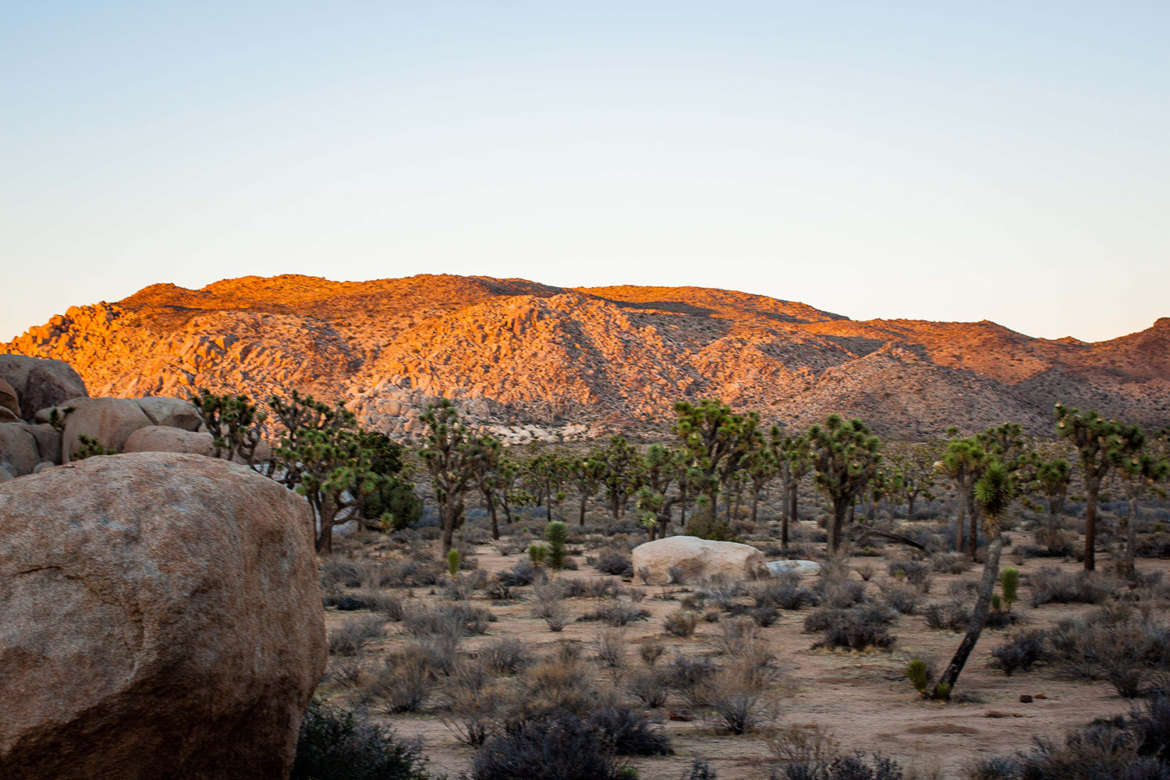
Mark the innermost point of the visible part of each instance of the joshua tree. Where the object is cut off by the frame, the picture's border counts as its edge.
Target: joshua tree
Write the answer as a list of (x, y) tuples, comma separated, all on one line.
[(620, 460), (845, 457), (657, 469), (233, 421), (717, 441), (762, 467), (1052, 478), (914, 472), (450, 453), (1141, 471), (793, 462), (485, 466), (587, 473), (994, 491), (963, 461), (1096, 441)]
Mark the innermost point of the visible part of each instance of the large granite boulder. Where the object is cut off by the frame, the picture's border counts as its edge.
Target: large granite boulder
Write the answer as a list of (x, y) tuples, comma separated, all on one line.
[(40, 383), (160, 616), (18, 449), (172, 412), (162, 438), (9, 401), (689, 558), (109, 421)]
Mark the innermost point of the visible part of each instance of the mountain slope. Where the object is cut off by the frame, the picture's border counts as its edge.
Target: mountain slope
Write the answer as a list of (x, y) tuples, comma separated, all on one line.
[(514, 351)]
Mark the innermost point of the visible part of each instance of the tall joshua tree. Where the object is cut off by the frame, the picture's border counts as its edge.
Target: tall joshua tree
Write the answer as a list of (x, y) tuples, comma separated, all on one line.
[(1096, 441), (1052, 478), (993, 491), (793, 462), (963, 461), (487, 452), (1141, 471), (588, 472), (717, 441), (845, 457), (450, 454)]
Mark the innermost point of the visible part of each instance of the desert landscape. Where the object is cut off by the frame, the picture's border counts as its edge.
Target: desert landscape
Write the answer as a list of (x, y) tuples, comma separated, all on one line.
[(701, 592), (585, 391)]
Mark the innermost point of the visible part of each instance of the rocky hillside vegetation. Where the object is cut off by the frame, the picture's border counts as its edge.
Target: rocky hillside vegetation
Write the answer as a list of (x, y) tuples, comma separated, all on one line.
[(536, 361)]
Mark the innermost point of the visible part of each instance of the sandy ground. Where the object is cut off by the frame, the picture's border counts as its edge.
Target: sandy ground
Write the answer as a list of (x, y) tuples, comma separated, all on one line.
[(863, 698)]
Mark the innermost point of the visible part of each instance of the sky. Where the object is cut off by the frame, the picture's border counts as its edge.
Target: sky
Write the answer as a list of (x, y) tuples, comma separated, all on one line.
[(939, 160)]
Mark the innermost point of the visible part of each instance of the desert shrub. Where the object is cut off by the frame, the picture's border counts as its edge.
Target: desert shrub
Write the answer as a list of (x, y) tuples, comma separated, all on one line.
[(611, 648), (650, 652), (334, 745), (721, 592), (1052, 586), (865, 571), (741, 697), (498, 591), (523, 573), (558, 747), (403, 682), (856, 628), (699, 770), (917, 573), (1136, 747), (410, 573), (335, 572), (629, 732), (506, 656), (853, 766), (469, 703), (950, 563), (900, 598), (617, 613), (649, 686), (953, 615), (591, 588), (841, 593), (919, 674), (764, 616), (462, 619), (680, 623), (803, 744), (559, 682), (352, 636), (686, 673), (784, 594), (1115, 644), (737, 637), (1021, 652), (611, 561)]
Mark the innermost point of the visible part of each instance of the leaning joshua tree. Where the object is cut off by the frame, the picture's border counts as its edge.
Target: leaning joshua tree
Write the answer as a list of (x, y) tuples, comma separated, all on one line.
[(994, 491), (845, 456), (1096, 441)]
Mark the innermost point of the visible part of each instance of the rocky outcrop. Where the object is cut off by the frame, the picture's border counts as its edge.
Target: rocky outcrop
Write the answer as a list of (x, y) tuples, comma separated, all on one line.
[(171, 412), (109, 421), (9, 402), (532, 361), (18, 449), (161, 438), (681, 559), (40, 382), (159, 617)]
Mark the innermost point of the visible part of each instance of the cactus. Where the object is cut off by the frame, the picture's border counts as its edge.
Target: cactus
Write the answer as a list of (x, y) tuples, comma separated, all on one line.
[(917, 673), (453, 562), (89, 447), (538, 554), (555, 536), (1009, 582)]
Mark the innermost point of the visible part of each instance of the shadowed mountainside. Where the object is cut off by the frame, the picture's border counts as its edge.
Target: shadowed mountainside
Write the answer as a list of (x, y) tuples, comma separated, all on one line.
[(583, 360)]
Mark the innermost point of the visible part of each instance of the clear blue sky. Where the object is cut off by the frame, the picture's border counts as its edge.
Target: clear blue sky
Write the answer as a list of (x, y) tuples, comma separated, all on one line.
[(997, 160)]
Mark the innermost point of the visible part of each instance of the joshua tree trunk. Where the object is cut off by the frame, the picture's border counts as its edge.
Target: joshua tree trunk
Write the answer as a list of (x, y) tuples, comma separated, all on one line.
[(581, 511), (491, 504), (1092, 487), (960, 524), (946, 683), (791, 516), (910, 508), (973, 522), (840, 510), (755, 504), (1127, 569), (449, 515), (1051, 533)]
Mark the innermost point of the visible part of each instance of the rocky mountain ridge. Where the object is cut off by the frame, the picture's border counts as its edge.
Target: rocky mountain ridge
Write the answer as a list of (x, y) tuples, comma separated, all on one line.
[(536, 361)]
